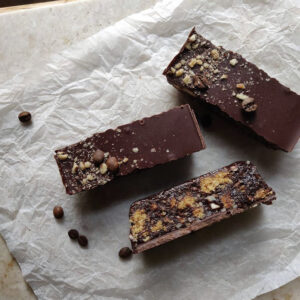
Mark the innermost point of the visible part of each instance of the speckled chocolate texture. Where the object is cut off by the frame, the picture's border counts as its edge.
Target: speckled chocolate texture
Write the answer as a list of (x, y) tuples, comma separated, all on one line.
[(140, 145), (236, 87), (195, 204)]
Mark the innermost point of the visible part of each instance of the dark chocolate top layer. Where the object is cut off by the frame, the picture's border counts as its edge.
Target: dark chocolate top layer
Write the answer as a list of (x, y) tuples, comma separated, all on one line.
[(226, 80), (195, 204), (142, 144)]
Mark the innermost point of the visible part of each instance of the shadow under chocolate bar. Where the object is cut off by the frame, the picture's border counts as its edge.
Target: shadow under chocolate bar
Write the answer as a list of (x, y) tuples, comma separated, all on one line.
[(239, 89), (195, 204), (139, 145)]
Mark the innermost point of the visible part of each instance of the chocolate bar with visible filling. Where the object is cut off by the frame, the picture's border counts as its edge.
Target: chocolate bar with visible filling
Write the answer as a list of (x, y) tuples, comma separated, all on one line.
[(140, 145), (195, 204), (238, 88)]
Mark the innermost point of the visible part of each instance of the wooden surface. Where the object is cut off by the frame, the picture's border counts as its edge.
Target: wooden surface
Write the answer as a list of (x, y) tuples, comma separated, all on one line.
[(5, 3), (27, 4)]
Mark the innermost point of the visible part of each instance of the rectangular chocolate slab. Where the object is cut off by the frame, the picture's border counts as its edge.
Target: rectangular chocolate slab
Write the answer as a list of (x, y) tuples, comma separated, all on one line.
[(140, 145), (236, 87), (195, 204)]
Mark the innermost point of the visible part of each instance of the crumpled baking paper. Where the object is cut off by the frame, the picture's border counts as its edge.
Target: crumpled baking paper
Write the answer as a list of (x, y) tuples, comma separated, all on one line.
[(115, 77)]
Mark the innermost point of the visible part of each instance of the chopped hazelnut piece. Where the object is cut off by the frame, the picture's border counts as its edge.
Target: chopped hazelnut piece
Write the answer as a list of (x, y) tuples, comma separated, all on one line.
[(192, 62), (87, 164), (211, 198), (214, 206), (195, 46), (215, 54), (187, 79), (103, 168), (249, 105), (62, 156), (178, 66), (135, 150), (173, 70), (224, 76), (201, 82), (242, 96), (240, 86), (233, 62), (74, 168), (193, 38), (179, 72), (90, 177), (81, 165), (188, 46)]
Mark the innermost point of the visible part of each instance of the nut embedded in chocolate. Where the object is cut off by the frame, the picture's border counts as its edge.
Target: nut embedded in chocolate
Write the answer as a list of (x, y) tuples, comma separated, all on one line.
[(128, 143), (200, 82), (73, 234), (229, 76), (82, 241), (112, 164), (24, 116), (196, 204), (125, 252), (98, 156), (58, 212), (249, 105)]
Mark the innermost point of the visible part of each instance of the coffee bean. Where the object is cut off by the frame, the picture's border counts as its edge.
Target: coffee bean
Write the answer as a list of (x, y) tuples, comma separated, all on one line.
[(82, 241), (73, 234), (125, 252), (58, 212), (112, 164), (98, 156), (24, 116)]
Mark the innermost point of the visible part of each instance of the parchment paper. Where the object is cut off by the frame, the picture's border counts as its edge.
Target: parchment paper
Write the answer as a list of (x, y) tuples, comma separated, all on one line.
[(112, 78)]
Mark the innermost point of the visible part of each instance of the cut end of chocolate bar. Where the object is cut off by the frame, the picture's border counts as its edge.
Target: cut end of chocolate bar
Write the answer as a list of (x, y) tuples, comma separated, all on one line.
[(238, 88), (195, 204), (139, 145)]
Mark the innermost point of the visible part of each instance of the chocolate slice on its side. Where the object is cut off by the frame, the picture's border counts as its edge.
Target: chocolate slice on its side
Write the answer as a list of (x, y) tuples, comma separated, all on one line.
[(139, 145), (195, 204), (238, 88)]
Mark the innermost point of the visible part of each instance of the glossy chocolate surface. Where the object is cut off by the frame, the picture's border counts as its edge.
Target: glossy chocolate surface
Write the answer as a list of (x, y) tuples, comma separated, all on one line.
[(139, 145), (225, 79)]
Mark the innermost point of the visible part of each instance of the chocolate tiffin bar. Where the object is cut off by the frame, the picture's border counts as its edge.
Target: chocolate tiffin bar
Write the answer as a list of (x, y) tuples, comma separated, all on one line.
[(238, 89), (139, 145), (195, 204)]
